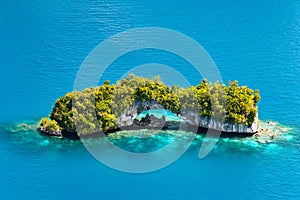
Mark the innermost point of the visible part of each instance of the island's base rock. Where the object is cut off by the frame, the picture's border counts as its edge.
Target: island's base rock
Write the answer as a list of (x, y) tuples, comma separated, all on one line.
[(128, 118), (51, 133)]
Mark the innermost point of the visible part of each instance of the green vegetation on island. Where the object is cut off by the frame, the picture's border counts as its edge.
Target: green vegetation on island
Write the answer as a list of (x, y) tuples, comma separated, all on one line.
[(49, 126), (236, 104)]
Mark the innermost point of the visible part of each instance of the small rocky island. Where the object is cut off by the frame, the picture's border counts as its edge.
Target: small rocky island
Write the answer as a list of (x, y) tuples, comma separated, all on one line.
[(231, 108)]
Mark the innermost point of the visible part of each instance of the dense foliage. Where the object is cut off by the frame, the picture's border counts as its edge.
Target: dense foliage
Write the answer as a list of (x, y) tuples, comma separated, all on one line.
[(49, 125), (101, 106)]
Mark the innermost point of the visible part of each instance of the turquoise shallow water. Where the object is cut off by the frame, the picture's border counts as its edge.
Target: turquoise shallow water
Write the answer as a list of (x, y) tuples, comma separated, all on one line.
[(43, 45), (36, 166), (160, 113)]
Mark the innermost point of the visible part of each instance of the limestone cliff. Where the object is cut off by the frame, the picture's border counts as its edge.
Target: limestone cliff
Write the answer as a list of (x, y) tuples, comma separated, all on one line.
[(191, 118)]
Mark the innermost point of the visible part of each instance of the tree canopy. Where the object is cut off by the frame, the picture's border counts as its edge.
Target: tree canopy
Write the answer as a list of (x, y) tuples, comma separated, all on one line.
[(104, 104)]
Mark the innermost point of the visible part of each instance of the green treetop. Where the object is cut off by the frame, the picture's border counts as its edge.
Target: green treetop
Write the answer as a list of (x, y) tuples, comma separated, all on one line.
[(104, 104)]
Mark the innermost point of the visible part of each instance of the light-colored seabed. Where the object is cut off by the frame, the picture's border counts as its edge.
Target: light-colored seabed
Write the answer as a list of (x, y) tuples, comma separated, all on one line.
[(271, 141)]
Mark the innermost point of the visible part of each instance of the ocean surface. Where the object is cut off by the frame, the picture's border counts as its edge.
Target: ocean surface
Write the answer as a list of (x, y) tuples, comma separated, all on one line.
[(42, 46)]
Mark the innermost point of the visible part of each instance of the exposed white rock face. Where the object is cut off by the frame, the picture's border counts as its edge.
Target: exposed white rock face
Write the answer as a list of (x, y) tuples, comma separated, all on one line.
[(227, 127), (51, 133), (126, 119), (211, 123)]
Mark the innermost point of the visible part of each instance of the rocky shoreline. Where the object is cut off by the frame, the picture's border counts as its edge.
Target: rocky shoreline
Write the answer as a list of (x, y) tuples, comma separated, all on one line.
[(128, 119), (152, 122), (49, 132), (189, 121), (268, 131)]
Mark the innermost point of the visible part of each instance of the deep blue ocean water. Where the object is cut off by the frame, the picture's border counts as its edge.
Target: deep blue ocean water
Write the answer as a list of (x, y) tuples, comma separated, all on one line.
[(43, 43)]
